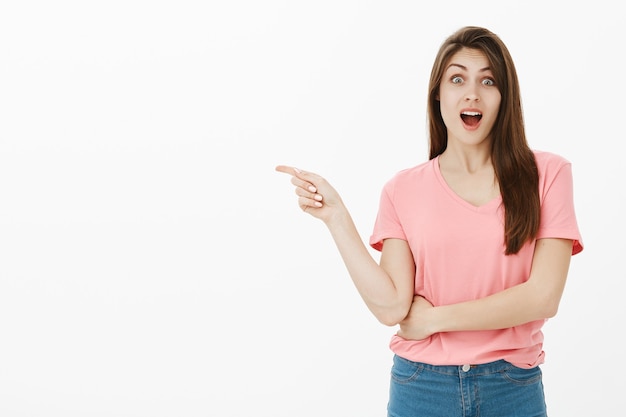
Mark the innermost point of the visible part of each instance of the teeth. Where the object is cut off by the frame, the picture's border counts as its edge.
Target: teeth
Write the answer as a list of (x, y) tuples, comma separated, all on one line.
[(471, 113)]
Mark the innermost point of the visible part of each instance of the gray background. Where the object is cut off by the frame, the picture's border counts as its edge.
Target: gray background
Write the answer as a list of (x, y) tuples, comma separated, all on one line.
[(152, 263)]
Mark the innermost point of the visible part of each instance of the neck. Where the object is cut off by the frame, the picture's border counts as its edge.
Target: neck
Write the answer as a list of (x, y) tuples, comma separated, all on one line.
[(468, 161)]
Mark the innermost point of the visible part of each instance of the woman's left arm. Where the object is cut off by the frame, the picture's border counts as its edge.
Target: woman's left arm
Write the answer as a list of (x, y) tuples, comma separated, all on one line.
[(536, 299)]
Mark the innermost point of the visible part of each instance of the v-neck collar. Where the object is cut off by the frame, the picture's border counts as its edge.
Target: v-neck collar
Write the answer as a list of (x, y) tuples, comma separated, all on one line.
[(487, 207)]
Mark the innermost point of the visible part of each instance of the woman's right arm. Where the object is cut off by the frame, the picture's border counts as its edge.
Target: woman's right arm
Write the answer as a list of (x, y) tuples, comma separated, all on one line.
[(386, 288)]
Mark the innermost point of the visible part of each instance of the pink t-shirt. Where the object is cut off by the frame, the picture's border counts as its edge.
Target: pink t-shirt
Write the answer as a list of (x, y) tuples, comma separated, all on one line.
[(458, 250)]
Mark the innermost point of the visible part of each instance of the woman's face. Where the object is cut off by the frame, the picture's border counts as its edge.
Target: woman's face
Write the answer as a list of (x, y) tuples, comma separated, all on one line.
[(469, 98)]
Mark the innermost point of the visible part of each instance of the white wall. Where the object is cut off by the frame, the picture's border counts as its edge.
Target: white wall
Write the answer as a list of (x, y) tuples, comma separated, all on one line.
[(152, 263)]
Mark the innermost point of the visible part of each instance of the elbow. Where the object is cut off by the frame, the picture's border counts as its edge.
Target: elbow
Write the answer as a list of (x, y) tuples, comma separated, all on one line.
[(391, 317), (392, 313), (548, 308), (545, 304), (387, 321)]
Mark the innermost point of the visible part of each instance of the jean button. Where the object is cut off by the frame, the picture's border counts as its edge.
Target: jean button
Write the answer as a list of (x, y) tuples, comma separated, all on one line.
[(465, 368)]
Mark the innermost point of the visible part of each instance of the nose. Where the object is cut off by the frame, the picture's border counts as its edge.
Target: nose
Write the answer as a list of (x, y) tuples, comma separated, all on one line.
[(472, 94)]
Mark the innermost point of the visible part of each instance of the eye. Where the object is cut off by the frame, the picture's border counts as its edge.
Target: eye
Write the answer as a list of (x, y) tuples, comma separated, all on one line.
[(489, 81), (456, 79)]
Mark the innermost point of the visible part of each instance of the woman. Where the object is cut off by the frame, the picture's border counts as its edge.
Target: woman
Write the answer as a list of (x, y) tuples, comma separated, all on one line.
[(475, 244)]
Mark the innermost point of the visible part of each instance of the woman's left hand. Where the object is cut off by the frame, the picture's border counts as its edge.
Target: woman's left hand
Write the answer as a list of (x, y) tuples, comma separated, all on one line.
[(416, 325)]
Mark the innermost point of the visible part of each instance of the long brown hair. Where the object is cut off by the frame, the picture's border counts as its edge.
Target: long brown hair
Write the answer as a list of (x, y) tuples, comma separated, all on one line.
[(513, 160)]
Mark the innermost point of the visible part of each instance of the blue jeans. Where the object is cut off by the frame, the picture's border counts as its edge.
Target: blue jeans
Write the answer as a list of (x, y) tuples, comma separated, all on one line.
[(496, 389)]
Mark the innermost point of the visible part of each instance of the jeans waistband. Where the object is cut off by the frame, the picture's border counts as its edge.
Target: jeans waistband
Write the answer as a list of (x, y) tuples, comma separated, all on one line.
[(469, 369)]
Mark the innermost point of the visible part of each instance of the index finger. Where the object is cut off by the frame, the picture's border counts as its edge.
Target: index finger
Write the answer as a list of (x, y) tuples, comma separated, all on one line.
[(287, 170)]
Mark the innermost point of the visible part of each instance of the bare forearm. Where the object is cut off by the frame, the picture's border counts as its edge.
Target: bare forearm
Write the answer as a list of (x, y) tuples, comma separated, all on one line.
[(512, 307)]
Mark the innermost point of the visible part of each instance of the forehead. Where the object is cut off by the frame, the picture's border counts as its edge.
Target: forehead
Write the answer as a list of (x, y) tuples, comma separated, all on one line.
[(470, 59)]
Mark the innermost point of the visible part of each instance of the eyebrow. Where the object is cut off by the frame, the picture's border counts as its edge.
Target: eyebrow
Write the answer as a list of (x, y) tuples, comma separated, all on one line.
[(463, 67)]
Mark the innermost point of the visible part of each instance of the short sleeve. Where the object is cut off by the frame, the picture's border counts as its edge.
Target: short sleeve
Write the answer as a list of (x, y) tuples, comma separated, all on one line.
[(387, 224), (558, 217)]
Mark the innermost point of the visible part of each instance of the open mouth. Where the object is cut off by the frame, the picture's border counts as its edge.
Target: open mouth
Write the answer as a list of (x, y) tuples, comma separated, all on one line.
[(471, 118)]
